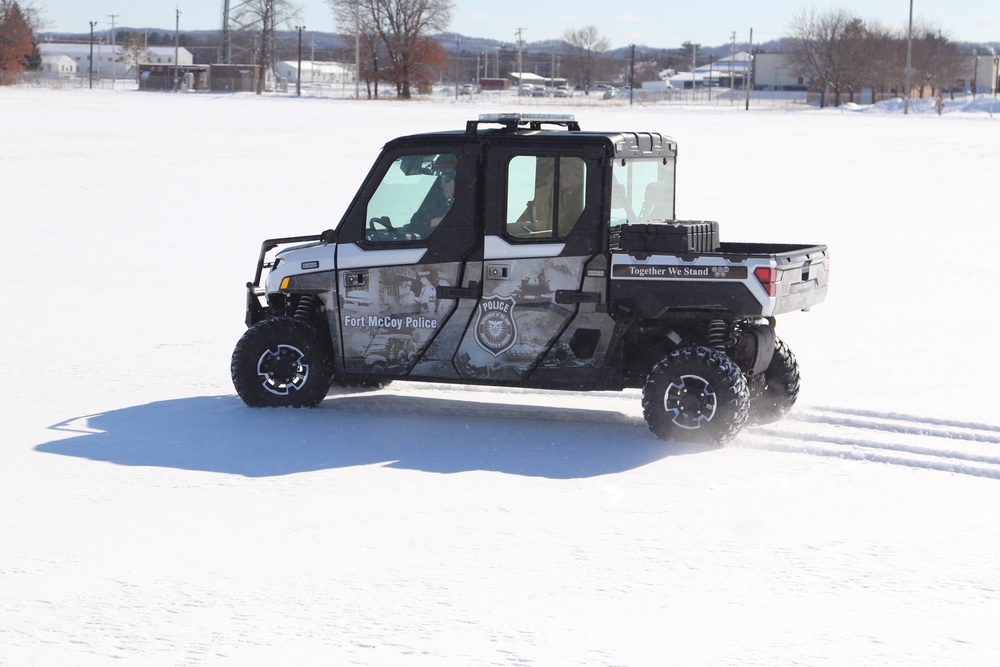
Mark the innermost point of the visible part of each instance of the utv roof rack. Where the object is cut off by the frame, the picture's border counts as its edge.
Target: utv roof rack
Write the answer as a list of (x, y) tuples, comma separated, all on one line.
[(534, 121)]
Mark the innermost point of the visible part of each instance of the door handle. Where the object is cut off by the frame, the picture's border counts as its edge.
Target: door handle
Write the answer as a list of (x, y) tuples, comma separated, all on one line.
[(356, 279), (469, 292), (498, 271)]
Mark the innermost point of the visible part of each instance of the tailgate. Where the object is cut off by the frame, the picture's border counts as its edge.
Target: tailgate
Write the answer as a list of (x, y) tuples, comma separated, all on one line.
[(795, 280)]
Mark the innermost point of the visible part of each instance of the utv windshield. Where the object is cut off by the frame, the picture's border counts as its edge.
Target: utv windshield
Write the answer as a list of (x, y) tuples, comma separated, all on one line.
[(642, 191)]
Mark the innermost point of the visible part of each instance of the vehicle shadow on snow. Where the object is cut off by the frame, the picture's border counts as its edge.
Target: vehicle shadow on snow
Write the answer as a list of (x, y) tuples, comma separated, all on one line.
[(442, 435)]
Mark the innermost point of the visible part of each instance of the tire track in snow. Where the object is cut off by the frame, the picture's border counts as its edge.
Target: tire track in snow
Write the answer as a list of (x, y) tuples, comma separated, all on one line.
[(893, 438)]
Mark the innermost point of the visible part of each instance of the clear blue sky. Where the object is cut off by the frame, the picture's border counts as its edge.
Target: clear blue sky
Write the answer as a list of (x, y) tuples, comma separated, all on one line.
[(644, 22)]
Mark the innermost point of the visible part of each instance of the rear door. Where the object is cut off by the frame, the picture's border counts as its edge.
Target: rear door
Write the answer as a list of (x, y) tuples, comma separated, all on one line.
[(541, 318)]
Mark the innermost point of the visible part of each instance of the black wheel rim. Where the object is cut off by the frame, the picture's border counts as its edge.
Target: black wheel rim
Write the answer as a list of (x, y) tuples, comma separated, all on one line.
[(283, 370), (690, 402)]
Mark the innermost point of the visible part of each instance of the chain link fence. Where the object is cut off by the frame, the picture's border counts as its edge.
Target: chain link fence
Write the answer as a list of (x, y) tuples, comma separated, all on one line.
[(701, 97)]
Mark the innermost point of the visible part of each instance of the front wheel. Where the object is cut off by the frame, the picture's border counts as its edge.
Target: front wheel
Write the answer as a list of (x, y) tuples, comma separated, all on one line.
[(281, 362), (695, 394)]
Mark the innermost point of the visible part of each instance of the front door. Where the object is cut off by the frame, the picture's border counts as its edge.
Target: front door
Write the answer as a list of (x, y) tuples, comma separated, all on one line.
[(401, 259)]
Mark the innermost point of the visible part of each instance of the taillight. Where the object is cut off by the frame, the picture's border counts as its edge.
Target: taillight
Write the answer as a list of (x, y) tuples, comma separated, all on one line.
[(767, 275)]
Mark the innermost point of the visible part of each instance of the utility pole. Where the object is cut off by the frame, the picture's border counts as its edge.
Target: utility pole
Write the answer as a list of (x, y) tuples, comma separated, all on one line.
[(298, 77), (227, 40), (631, 73), (975, 75), (177, 47), (909, 61), (357, 52), (732, 77), (91, 75), (520, 61), (711, 61), (748, 77), (114, 52)]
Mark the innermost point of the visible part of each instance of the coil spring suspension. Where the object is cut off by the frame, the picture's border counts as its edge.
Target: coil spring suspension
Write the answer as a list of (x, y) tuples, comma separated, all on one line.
[(717, 334), (305, 307)]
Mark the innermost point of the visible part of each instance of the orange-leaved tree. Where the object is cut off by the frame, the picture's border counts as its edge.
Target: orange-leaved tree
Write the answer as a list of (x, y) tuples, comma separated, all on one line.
[(16, 42)]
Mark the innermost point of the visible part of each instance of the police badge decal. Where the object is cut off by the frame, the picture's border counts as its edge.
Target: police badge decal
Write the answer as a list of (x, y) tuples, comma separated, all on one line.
[(496, 331)]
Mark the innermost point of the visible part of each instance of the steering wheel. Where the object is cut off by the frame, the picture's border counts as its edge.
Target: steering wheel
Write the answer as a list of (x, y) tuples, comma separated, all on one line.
[(390, 231)]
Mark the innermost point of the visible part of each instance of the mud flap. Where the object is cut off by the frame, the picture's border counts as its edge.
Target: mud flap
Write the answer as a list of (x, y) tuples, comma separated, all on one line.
[(755, 349)]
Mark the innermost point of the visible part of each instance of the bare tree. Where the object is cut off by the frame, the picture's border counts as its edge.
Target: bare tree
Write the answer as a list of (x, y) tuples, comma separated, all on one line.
[(841, 51), (584, 49), (134, 51), (260, 18), (817, 48), (399, 29), (374, 58), (936, 61), (886, 52), (862, 53)]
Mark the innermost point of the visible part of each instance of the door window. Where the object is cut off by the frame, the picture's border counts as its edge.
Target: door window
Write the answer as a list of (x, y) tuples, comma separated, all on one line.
[(545, 196), (416, 192)]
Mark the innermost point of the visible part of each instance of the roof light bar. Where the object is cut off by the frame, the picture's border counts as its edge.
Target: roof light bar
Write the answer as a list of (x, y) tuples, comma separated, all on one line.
[(512, 120), (524, 118)]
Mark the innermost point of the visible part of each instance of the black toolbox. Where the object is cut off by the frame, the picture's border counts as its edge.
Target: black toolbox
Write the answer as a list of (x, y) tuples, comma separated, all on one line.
[(674, 236)]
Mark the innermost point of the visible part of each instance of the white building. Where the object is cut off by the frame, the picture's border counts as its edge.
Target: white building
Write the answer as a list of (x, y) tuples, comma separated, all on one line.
[(58, 67), (979, 72), (314, 71), (106, 62), (773, 71), (728, 72)]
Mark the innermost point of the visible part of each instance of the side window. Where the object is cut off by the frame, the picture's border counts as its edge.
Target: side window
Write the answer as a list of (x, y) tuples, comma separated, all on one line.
[(642, 191), (416, 192), (545, 196)]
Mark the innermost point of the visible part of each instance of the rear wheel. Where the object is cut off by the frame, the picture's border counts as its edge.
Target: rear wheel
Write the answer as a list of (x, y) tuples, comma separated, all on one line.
[(695, 394), (281, 362), (781, 386)]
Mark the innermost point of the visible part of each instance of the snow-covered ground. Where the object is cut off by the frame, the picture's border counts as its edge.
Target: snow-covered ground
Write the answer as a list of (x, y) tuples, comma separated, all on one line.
[(148, 517)]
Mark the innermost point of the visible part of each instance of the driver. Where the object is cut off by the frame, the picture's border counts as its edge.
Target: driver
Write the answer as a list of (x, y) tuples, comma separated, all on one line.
[(439, 200)]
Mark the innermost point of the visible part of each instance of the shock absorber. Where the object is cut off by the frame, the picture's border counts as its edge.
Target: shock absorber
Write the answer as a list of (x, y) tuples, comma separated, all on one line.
[(717, 334), (305, 307)]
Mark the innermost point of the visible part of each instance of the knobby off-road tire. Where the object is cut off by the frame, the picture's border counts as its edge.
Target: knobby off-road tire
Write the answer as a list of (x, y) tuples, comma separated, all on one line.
[(696, 394), (781, 387), (282, 362)]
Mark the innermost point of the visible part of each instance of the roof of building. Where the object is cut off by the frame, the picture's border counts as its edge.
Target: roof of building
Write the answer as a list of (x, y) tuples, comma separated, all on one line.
[(83, 48), (320, 67), (738, 62)]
